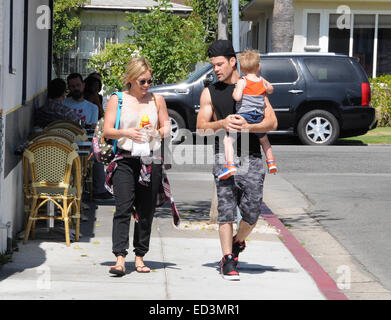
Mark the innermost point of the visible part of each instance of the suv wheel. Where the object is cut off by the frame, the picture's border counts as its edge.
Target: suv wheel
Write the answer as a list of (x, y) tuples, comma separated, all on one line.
[(177, 123), (318, 127)]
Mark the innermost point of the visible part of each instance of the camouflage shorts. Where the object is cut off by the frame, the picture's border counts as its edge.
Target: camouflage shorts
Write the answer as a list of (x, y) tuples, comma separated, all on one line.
[(243, 190)]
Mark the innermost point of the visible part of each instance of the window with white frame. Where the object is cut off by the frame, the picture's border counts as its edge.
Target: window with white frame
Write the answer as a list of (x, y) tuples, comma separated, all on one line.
[(313, 29), (11, 67), (369, 40), (384, 45), (255, 35), (363, 40), (338, 36), (90, 40)]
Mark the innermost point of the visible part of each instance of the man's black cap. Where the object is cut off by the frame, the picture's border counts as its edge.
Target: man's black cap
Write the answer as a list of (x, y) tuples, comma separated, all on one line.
[(221, 48)]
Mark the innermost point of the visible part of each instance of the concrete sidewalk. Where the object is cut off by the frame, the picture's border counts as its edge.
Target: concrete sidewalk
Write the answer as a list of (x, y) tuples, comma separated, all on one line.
[(184, 260)]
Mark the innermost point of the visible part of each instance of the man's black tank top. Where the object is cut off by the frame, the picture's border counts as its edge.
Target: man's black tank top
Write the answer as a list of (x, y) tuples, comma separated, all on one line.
[(224, 105)]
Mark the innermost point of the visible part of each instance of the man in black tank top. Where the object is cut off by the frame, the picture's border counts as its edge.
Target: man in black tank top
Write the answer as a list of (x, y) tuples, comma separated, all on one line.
[(223, 106), (245, 188)]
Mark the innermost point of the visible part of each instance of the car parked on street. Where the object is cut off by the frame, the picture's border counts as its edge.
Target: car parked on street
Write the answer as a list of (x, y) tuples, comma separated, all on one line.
[(319, 97)]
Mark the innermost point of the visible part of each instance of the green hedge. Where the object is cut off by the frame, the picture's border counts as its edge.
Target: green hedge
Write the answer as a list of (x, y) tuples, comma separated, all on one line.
[(381, 99)]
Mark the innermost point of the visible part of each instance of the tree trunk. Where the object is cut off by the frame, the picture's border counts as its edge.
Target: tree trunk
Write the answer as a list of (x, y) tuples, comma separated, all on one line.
[(56, 65), (283, 26), (222, 26)]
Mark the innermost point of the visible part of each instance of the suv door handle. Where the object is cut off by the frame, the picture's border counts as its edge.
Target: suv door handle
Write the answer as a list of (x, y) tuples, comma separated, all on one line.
[(296, 91), (182, 91)]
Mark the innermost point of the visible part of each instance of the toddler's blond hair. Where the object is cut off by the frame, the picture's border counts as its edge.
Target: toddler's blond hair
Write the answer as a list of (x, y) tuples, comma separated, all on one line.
[(249, 60)]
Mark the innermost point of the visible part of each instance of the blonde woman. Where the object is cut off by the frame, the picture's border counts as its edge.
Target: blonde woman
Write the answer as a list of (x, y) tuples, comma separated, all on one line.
[(124, 172)]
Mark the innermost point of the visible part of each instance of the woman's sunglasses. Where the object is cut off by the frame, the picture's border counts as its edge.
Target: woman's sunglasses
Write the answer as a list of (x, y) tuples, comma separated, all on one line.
[(143, 81)]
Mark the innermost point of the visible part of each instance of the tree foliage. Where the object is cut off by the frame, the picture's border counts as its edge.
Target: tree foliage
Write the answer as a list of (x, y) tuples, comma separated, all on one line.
[(381, 99), (65, 23), (111, 63), (207, 10), (171, 43)]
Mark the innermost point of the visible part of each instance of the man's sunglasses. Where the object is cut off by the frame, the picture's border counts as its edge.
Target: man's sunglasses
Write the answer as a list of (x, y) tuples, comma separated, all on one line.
[(143, 81)]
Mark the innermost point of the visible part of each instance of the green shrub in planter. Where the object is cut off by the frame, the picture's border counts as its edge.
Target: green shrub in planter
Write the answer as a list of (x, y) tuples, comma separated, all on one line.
[(381, 99)]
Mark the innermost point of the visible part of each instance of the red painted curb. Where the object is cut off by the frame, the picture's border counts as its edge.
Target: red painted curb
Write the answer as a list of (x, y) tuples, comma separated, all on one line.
[(324, 282)]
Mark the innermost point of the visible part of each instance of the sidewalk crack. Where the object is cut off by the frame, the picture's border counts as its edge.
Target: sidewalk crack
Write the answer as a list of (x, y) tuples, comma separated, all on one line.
[(164, 261)]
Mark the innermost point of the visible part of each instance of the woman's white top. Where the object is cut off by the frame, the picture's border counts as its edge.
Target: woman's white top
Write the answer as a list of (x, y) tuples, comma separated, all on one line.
[(131, 118)]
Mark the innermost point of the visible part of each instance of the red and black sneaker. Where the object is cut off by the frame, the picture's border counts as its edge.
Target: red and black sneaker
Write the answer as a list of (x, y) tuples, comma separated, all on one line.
[(237, 247), (228, 268)]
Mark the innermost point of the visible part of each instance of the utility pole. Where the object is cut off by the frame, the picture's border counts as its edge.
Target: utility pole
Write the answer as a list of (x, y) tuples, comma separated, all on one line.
[(235, 25)]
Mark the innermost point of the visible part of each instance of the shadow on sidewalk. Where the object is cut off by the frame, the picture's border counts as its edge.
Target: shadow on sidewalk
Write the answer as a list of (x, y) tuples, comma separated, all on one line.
[(31, 255), (303, 221), (34, 257), (189, 211), (245, 267), (154, 265)]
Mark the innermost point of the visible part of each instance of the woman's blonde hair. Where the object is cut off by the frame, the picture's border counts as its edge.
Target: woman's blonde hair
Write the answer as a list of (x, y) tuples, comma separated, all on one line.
[(136, 67), (249, 60)]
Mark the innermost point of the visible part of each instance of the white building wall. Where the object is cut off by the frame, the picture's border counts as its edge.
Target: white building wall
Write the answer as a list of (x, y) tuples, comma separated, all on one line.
[(37, 58), (302, 8), (13, 82), (299, 38), (244, 29), (11, 97), (2, 16), (3, 232), (17, 117), (262, 33)]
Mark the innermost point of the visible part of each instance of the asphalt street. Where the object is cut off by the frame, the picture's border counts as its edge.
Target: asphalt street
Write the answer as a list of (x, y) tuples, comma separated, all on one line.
[(349, 192)]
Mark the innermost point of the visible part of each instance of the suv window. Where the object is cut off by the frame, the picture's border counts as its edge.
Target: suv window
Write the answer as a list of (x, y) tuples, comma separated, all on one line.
[(194, 76), (326, 70), (278, 70)]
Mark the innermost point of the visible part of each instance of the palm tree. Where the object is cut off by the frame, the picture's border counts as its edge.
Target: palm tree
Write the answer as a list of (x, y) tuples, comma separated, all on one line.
[(222, 26), (283, 26)]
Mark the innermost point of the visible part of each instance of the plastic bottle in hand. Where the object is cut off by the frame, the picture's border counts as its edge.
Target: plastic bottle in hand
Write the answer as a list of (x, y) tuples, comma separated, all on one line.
[(144, 121), (142, 149), (145, 124)]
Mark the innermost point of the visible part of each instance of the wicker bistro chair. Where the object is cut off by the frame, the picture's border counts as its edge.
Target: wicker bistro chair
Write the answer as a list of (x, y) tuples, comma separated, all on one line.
[(33, 139), (72, 133), (52, 172), (69, 125), (78, 134), (56, 137), (65, 123)]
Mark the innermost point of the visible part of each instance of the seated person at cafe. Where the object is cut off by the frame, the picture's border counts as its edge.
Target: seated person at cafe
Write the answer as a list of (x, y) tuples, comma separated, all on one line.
[(86, 110), (54, 109), (89, 114), (91, 93)]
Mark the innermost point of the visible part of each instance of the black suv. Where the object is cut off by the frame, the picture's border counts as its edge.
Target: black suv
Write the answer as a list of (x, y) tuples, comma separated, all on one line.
[(319, 97)]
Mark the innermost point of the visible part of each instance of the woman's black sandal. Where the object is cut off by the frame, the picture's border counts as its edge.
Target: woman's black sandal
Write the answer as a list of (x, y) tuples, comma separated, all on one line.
[(117, 272)]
